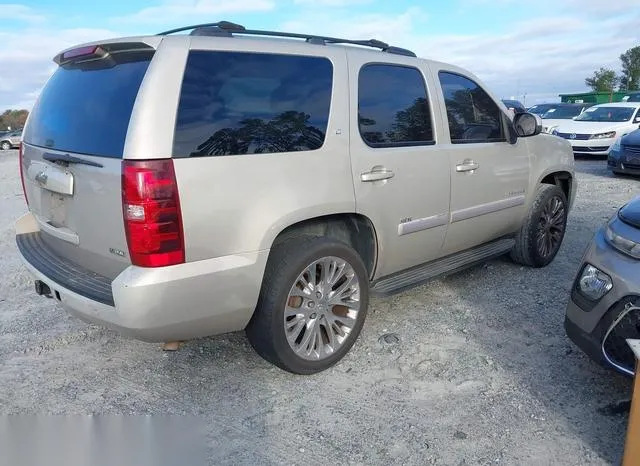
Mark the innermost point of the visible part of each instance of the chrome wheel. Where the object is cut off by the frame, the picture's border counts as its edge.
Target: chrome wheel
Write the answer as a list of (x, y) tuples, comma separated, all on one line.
[(551, 227), (322, 308), (5, 146)]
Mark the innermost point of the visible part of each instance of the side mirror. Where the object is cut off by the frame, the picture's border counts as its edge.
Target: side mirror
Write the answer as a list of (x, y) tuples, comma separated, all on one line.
[(527, 124)]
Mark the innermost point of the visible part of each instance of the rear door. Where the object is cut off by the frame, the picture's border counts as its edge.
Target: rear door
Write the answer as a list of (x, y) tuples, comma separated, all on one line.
[(401, 176), (73, 147)]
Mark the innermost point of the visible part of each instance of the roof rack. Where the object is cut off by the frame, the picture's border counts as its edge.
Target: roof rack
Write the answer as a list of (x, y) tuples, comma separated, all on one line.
[(227, 29)]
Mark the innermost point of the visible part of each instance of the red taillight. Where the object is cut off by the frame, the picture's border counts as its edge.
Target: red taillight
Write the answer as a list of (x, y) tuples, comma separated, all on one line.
[(80, 52), (151, 209), (20, 162)]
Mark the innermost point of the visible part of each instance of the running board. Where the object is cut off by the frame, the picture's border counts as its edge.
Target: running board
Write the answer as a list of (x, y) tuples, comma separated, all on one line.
[(445, 266)]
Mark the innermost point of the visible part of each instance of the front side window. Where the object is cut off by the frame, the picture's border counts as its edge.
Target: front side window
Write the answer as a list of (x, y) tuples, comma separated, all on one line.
[(393, 107), (473, 115), (236, 103)]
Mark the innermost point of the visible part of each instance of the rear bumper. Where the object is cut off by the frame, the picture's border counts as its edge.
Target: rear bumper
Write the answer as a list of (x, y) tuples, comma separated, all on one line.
[(180, 302)]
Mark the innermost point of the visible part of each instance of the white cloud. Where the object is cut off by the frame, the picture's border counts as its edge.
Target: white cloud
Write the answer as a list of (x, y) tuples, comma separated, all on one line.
[(334, 3), (540, 57), (16, 12), (180, 10), (28, 54), (602, 8)]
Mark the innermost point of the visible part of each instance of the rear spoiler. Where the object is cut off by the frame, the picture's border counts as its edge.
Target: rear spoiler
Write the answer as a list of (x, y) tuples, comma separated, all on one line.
[(101, 52)]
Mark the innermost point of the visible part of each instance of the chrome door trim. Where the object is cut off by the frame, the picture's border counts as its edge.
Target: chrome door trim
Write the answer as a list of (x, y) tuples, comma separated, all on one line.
[(487, 208), (419, 224)]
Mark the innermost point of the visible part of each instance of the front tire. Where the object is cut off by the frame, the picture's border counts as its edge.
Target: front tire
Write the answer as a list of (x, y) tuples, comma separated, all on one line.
[(5, 146), (542, 232), (312, 304)]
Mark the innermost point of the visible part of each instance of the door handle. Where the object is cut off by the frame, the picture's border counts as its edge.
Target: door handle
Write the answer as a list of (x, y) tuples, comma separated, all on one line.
[(467, 166), (377, 175)]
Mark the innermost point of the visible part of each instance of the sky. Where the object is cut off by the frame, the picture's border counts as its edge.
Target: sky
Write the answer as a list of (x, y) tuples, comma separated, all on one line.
[(528, 50)]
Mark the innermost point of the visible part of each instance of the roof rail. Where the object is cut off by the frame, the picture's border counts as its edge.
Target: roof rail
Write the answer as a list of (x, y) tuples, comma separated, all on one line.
[(226, 28)]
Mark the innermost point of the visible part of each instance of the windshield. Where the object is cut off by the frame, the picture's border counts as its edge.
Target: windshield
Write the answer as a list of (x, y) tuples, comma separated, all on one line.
[(540, 109), (613, 114), (562, 113)]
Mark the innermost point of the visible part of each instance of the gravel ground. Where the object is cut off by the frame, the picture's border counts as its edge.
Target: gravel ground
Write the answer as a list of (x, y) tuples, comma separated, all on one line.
[(477, 370)]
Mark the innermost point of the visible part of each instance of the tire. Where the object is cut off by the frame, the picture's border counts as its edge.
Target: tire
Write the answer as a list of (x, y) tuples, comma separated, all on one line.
[(5, 145), (528, 250), (282, 287)]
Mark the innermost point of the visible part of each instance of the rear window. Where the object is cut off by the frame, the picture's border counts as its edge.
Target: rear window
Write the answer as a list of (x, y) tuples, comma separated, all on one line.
[(87, 111), (236, 103)]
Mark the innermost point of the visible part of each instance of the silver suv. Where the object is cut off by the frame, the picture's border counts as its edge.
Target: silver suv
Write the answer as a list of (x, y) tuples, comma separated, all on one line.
[(185, 185), (10, 140)]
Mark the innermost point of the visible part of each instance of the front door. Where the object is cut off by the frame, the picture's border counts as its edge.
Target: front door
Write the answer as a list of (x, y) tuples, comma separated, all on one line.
[(489, 175), (401, 178)]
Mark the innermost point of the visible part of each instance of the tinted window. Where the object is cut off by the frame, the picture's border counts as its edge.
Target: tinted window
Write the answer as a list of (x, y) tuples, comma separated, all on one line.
[(235, 103), (472, 113), (393, 108), (87, 110)]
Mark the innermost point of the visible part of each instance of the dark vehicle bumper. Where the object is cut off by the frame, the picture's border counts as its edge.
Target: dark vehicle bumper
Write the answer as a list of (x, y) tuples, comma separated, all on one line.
[(587, 322)]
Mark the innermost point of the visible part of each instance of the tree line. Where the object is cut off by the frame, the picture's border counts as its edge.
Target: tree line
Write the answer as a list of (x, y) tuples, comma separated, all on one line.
[(13, 119), (606, 79)]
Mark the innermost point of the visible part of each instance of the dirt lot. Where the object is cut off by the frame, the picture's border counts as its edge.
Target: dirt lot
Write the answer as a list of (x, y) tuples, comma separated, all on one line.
[(481, 371)]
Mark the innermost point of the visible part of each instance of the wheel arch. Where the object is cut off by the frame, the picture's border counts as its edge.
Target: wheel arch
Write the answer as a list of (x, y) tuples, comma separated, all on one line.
[(354, 229), (563, 179)]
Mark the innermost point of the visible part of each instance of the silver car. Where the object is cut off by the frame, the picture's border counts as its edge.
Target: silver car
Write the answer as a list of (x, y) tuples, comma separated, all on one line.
[(10, 140), (604, 308), (185, 185)]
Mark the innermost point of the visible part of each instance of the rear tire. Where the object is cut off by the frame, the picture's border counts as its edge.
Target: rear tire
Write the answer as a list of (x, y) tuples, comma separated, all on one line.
[(297, 324), (542, 232), (5, 145)]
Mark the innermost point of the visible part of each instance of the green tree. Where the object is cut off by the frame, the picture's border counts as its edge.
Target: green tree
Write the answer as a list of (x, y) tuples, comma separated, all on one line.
[(603, 80), (630, 77), (13, 119)]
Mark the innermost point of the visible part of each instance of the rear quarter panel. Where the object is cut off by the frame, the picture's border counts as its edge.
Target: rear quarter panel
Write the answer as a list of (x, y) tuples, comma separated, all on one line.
[(236, 204)]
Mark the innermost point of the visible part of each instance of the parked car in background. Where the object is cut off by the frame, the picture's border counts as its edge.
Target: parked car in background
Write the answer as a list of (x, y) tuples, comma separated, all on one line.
[(10, 140), (557, 115), (632, 97), (604, 306), (624, 156), (272, 185), (595, 130), (541, 109), (514, 106)]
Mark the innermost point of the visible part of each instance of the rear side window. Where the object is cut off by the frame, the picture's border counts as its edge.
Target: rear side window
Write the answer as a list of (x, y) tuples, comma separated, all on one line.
[(473, 115), (236, 103), (393, 107), (87, 109)]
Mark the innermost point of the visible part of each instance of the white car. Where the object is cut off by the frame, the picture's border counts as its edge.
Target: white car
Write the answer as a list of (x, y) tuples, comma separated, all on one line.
[(561, 114), (598, 127)]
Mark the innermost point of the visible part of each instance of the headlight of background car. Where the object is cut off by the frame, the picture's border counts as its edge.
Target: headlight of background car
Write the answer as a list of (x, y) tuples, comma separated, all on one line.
[(610, 134), (549, 129), (594, 283), (554, 132), (622, 244)]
